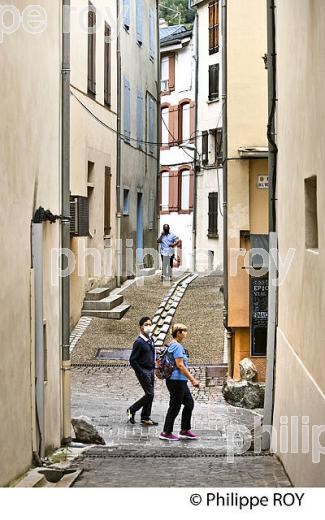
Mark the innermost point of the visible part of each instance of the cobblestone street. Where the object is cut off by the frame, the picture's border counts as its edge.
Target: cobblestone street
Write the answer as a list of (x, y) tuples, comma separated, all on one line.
[(225, 454)]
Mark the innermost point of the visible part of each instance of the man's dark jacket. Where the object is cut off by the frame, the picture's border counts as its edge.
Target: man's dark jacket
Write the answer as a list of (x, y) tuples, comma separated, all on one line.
[(143, 355)]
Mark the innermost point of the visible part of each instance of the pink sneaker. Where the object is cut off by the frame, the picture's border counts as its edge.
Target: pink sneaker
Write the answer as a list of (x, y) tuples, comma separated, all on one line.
[(188, 435), (168, 437)]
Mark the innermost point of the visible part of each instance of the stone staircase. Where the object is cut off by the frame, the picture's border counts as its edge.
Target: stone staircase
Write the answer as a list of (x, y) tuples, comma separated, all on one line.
[(99, 303)]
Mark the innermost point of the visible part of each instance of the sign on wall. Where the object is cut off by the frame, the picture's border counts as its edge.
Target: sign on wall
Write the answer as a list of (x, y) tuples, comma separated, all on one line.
[(259, 314), (262, 182)]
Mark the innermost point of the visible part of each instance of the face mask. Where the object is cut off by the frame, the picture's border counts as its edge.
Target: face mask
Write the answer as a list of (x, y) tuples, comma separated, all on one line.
[(147, 330)]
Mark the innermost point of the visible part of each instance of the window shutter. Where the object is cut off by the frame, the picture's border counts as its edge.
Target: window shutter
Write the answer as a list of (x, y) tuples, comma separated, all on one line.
[(107, 202), (191, 190), (126, 13), (151, 211), (173, 125), (91, 49), (151, 35), (205, 148), (213, 215), (139, 11), (173, 191), (214, 81), (171, 82), (107, 60), (192, 122), (151, 116), (127, 110), (219, 147), (139, 118)]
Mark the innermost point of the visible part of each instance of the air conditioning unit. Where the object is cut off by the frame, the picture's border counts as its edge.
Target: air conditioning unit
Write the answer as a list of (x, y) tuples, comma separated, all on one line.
[(79, 211), (164, 85)]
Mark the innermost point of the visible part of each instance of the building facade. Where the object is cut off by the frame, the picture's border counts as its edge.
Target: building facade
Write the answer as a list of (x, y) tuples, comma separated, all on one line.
[(299, 394), (94, 32), (138, 149), (178, 71), (30, 162), (246, 174), (209, 198)]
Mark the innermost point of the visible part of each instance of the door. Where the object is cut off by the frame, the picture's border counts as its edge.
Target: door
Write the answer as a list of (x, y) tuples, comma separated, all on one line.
[(140, 229)]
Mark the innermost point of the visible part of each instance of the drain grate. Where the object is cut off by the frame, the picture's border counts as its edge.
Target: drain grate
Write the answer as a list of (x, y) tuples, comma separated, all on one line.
[(172, 455), (113, 354)]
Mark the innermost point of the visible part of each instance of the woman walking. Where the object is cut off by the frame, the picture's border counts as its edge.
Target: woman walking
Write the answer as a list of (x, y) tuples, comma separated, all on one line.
[(178, 389)]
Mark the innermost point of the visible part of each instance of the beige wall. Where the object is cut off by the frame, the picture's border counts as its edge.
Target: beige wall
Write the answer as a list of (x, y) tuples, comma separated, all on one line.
[(30, 174), (92, 142), (300, 375)]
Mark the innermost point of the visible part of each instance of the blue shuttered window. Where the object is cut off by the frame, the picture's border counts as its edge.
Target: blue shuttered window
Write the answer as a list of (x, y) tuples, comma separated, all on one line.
[(151, 124), (127, 109), (139, 13), (140, 118), (151, 34), (126, 13)]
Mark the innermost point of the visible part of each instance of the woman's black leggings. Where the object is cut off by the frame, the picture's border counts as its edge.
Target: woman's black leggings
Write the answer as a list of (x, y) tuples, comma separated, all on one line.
[(179, 394)]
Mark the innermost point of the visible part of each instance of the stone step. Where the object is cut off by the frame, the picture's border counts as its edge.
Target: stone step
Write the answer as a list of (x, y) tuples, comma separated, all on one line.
[(106, 304), (115, 314), (98, 294)]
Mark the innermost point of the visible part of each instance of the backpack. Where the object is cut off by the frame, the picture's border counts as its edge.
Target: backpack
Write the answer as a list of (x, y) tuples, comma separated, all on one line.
[(165, 364)]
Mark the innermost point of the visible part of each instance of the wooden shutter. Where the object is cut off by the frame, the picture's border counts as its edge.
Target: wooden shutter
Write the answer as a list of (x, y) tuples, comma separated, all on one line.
[(151, 123), (205, 148), (214, 26), (139, 17), (214, 81), (107, 202), (126, 13), (173, 125), (192, 187), (213, 215), (219, 147), (171, 82), (173, 191), (107, 61), (127, 110), (151, 211), (192, 122), (91, 49)]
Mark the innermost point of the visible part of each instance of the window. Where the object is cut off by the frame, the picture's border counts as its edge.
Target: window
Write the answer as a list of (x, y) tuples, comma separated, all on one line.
[(218, 147), (214, 26), (213, 215), (91, 50), (139, 21), (165, 191), (185, 190), (126, 201), (151, 124), (205, 148), (127, 110), (165, 126), (107, 203), (165, 73), (214, 82), (311, 220), (151, 35), (126, 14), (184, 131), (140, 118), (107, 66)]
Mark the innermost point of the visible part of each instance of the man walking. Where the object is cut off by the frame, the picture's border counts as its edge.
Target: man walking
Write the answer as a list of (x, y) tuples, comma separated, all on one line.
[(142, 360), (168, 241)]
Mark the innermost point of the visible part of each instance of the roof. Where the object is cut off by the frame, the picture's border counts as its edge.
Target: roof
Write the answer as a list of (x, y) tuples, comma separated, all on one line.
[(173, 34)]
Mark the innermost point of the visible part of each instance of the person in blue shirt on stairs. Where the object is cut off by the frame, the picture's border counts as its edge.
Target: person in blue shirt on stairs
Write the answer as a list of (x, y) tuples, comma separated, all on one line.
[(142, 360)]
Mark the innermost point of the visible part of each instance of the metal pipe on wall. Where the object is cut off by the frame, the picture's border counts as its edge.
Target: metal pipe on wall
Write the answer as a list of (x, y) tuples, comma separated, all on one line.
[(65, 223), (196, 122), (118, 155), (158, 119)]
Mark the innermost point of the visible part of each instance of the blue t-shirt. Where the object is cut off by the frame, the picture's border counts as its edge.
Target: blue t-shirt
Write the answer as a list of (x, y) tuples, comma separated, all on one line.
[(178, 351), (166, 241)]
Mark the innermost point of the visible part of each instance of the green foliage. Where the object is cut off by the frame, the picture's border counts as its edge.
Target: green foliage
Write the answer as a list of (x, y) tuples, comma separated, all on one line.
[(176, 12)]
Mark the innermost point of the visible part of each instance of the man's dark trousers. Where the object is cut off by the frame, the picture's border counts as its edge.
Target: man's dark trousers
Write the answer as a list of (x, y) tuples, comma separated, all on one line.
[(146, 378)]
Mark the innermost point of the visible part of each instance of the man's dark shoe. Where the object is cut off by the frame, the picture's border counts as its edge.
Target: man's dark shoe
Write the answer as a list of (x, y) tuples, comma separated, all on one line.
[(149, 422), (131, 416)]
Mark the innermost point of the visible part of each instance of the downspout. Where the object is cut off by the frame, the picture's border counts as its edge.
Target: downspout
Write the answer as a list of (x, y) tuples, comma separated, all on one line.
[(65, 224), (118, 155), (196, 155), (273, 242), (229, 332), (159, 138)]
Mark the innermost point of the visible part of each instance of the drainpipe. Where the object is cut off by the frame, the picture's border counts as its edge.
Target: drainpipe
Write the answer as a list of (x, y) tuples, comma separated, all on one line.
[(225, 182), (37, 263), (273, 243), (158, 123), (118, 155), (65, 223)]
